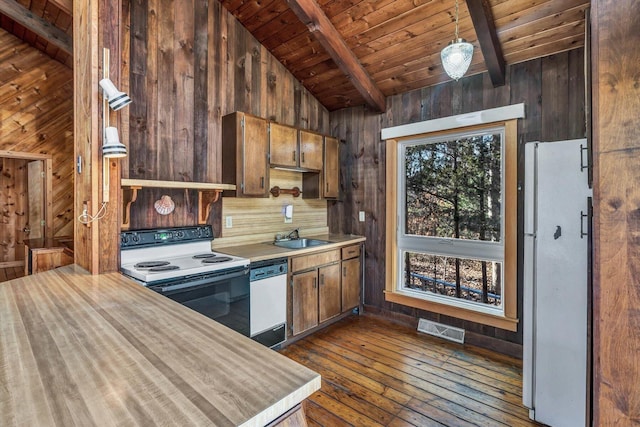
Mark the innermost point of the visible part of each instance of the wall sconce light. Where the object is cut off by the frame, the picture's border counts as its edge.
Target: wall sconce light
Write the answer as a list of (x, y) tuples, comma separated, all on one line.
[(112, 147), (116, 99)]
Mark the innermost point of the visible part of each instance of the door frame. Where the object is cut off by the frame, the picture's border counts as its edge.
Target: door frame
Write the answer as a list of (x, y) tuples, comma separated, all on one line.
[(47, 167)]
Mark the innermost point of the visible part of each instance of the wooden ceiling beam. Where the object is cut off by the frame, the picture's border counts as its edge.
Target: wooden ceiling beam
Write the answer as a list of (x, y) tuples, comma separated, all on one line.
[(41, 27), (310, 13), (484, 24), (64, 5)]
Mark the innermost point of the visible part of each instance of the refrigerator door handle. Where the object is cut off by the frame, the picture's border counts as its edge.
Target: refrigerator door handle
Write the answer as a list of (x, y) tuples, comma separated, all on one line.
[(582, 217)]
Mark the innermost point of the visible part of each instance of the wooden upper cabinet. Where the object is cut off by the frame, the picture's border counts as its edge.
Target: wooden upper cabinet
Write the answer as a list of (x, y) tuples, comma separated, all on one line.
[(283, 145), (311, 145), (330, 172), (245, 149)]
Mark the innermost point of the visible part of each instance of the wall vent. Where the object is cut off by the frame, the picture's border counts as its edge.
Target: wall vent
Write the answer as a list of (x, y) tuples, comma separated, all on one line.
[(443, 331)]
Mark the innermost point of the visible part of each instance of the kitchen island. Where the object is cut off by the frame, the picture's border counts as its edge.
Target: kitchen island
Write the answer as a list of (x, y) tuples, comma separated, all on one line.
[(81, 350)]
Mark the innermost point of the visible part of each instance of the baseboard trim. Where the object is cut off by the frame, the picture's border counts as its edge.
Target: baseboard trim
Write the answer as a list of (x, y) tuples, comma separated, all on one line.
[(483, 341)]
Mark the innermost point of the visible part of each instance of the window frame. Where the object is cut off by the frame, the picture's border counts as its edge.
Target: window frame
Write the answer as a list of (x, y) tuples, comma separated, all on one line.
[(506, 318), (443, 246)]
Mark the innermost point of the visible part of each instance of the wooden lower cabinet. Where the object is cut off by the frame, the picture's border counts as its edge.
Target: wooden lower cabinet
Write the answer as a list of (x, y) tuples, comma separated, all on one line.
[(316, 297), (324, 285), (350, 284), (329, 297), (305, 301)]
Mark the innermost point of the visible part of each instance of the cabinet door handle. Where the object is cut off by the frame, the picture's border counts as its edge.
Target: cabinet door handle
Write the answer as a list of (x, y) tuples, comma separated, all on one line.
[(262, 182), (294, 156), (327, 187), (321, 279), (314, 283), (344, 271), (303, 157)]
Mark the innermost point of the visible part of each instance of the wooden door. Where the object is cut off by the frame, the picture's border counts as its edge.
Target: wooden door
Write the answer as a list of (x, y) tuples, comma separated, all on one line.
[(350, 283), (305, 301), (311, 150), (331, 174), (14, 205), (255, 150), (36, 186), (329, 297), (283, 145)]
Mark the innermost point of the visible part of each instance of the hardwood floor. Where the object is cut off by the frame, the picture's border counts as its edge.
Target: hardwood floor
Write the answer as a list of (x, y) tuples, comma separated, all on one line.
[(8, 273), (378, 373)]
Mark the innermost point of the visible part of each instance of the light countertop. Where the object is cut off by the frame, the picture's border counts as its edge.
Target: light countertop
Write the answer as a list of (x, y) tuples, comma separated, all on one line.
[(267, 250), (82, 350)]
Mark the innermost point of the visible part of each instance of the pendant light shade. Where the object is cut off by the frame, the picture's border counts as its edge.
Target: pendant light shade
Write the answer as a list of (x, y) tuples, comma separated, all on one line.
[(456, 57)]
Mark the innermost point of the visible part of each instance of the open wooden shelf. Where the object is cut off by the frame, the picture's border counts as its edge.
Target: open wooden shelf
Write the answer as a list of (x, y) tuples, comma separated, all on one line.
[(208, 194)]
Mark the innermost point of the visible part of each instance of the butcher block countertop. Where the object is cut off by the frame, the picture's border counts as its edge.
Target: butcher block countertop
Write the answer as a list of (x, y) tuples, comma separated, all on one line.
[(267, 250), (83, 350)]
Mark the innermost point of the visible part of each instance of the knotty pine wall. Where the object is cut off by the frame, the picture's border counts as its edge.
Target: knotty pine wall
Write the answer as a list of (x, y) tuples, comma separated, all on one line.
[(553, 91), (36, 116), (190, 63)]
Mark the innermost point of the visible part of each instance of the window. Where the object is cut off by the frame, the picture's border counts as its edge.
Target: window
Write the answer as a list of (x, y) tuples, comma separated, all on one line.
[(450, 210), (452, 223)]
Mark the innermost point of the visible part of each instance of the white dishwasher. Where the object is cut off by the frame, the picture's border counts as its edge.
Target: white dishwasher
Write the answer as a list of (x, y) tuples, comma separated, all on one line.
[(268, 301)]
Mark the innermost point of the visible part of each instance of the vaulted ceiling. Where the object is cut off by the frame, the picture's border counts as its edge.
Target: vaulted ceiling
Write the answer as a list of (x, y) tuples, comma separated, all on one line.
[(354, 52), (44, 24)]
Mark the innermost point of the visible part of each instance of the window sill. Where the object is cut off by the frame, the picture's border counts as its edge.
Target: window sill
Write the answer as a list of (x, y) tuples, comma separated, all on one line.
[(497, 321)]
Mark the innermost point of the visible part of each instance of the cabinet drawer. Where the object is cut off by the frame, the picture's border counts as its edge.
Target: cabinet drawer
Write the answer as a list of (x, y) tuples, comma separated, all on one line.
[(314, 260), (351, 252)]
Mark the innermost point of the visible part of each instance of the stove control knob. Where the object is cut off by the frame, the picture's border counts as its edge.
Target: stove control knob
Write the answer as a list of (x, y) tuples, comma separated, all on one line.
[(124, 239), (135, 238), (179, 234)]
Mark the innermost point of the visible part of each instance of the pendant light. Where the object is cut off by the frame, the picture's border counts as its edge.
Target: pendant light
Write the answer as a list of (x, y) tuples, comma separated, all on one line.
[(456, 57)]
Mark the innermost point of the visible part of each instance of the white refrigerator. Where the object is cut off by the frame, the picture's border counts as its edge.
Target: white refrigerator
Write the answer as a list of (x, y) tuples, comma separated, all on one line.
[(555, 283)]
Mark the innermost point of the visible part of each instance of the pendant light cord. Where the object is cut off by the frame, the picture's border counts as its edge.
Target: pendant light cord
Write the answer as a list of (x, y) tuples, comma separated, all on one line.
[(457, 20)]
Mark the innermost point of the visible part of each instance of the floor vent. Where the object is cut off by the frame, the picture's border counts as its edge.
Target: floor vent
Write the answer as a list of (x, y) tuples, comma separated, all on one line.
[(443, 331)]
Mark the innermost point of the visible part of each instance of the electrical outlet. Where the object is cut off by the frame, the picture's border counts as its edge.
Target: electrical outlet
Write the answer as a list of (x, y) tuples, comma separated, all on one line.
[(361, 216), (228, 222)]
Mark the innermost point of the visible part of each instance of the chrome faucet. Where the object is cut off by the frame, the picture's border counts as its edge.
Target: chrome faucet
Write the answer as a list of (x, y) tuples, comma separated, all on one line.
[(294, 235)]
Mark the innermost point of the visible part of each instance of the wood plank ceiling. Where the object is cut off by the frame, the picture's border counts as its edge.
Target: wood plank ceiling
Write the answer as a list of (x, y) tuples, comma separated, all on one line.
[(354, 52), (55, 13), (398, 42)]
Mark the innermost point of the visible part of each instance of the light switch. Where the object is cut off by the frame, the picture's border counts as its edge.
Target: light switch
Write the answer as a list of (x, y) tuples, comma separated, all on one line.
[(361, 216), (228, 222), (288, 214)]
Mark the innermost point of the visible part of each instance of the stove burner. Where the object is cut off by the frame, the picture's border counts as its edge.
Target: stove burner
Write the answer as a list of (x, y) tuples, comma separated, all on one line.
[(216, 260), (165, 268), (204, 256), (151, 264)]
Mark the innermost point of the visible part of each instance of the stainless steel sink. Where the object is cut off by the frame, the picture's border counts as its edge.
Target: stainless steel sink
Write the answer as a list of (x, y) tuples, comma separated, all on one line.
[(300, 243)]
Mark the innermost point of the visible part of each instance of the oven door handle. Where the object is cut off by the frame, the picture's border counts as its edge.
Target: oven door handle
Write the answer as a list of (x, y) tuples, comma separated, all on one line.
[(200, 282)]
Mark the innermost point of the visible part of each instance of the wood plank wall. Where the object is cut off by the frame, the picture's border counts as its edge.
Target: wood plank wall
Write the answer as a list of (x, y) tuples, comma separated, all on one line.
[(616, 221), (553, 91), (191, 63), (36, 116), (14, 206)]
